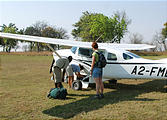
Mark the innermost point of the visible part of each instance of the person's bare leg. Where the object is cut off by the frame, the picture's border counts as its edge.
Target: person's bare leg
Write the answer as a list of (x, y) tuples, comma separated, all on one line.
[(101, 85), (72, 79), (69, 81), (97, 85)]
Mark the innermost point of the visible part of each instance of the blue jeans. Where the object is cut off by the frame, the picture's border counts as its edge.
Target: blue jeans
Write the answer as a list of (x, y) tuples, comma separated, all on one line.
[(97, 72)]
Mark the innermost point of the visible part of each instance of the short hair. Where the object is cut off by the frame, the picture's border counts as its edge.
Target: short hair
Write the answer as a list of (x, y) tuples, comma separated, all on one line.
[(94, 45), (70, 58)]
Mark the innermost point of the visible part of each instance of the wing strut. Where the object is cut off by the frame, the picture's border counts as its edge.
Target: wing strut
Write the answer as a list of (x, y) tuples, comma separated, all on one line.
[(53, 50)]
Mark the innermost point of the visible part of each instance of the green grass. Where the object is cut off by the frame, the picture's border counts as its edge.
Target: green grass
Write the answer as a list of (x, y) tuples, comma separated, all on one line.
[(25, 81)]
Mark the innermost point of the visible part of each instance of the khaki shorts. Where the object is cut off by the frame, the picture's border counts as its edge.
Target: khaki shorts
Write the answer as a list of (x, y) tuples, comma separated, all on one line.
[(57, 74), (69, 71)]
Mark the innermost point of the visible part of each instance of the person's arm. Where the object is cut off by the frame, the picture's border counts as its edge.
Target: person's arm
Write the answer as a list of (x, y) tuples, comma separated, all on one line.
[(93, 62), (52, 66), (78, 74)]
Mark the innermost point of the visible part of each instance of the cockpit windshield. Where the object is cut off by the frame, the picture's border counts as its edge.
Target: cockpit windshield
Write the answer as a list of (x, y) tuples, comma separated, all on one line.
[(73, 49)]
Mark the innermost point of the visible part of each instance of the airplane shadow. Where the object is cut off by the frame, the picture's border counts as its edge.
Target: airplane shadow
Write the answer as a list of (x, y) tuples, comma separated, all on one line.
[(123, 92)]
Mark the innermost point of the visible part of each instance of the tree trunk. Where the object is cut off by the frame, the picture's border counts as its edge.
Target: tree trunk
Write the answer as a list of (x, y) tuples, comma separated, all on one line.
[(164, 46), (3, 48), (38, 47)]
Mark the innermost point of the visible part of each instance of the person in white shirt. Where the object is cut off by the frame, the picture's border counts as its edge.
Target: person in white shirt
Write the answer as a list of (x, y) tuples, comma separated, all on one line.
[(56, 67)]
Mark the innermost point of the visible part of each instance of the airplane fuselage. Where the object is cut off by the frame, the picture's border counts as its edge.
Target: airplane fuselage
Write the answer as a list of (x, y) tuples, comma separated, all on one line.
[(120, 64)]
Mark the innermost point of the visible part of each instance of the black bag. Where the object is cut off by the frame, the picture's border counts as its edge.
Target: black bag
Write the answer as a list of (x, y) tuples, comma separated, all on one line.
[(101, 63)]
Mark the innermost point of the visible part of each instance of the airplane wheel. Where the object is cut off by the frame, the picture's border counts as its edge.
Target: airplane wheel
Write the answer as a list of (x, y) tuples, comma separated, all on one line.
[(113, 81), (77, 85)]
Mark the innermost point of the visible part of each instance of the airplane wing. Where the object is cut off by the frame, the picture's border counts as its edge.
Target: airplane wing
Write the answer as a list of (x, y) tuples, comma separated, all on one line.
[(126, 46), (73, 42)]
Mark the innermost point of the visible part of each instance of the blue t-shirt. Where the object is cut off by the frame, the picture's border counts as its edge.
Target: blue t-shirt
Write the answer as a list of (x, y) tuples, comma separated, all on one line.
[(75, 68)]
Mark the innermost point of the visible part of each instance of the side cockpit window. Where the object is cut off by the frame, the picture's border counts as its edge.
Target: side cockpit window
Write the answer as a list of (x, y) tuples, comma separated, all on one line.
[(85, 52), (111, 56), (133, 55), (127, 57)]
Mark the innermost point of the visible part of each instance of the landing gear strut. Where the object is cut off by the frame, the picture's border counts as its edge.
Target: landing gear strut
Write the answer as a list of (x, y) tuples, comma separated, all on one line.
[(166, 86)]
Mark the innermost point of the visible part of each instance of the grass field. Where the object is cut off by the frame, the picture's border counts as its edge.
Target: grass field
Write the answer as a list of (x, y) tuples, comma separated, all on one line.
[(25, 81)]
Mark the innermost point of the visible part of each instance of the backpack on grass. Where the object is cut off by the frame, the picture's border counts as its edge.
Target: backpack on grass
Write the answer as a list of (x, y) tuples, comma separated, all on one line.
[(57, 93)]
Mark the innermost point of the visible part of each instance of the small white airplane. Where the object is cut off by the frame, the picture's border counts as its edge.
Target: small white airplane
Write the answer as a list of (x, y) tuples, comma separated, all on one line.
[(121, 64)]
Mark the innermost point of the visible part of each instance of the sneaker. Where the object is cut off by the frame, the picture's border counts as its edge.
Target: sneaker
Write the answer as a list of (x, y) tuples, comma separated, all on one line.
[(97, 96), (101, 95)]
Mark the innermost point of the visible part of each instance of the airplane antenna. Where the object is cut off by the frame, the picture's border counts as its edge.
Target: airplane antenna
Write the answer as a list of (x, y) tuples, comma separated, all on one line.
[(98, 38)]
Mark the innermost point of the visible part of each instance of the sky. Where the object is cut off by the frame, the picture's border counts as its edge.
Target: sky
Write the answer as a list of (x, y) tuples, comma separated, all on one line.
[(147, 17)]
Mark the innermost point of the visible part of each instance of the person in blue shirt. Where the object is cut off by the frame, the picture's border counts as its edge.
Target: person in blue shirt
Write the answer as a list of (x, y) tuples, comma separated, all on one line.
[(76, 69), (73, 68)]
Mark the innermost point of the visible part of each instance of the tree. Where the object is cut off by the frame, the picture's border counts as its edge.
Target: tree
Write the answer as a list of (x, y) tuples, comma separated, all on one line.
[(1, 40), (42, 29), (30, 31), (16, 47), (36, 30), (92, 26), (158, 41), (25, 48), (62, 34), (164, 34), (8, 44), (54, 32), (136, 38), (164, 31), (121, 22)]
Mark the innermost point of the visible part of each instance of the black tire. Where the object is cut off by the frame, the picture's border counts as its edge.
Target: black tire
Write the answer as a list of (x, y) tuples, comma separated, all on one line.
[(77, 85)]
